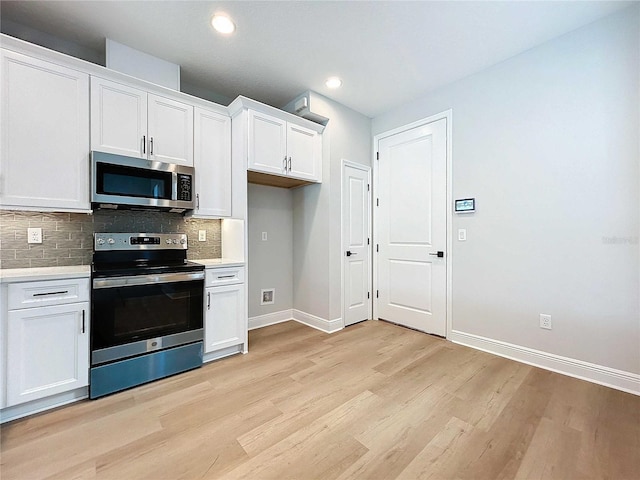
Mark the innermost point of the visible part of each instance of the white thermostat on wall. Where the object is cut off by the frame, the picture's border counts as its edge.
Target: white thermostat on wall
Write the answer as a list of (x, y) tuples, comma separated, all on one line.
[(465, 205)]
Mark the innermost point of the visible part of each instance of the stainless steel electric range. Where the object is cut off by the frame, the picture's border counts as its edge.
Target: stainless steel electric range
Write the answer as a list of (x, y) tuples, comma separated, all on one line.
[(146, 310)]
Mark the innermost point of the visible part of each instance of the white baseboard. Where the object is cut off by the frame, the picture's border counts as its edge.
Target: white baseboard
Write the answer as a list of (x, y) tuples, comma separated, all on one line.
[(609, 377), (327, 326), (270, 319), (36, 406)]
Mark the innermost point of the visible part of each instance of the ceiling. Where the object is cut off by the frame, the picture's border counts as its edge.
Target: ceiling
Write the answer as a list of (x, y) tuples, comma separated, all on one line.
[(387, 53)]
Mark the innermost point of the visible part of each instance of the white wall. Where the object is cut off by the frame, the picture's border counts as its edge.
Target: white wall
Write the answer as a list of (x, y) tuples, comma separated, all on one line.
[(270, 262), (548, 143), (317, 208)]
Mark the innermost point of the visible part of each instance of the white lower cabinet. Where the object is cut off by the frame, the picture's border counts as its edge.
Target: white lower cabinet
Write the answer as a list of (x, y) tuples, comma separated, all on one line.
[(47, 346), (225, 323)]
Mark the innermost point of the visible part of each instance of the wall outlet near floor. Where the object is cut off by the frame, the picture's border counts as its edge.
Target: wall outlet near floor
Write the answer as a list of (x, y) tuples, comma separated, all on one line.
[(267, 296), (545, 321), (202, 235), (34, 235)]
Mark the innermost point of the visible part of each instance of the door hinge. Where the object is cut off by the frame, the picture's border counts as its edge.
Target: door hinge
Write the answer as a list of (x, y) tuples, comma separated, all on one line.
[(377, 155), (377, 293)]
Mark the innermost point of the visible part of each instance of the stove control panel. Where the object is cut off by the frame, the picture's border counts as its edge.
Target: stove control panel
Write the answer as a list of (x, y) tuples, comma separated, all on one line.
[(139, 241)]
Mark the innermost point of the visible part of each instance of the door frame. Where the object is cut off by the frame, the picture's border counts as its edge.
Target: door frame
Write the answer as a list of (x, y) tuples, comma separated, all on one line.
[(448, 116), (368, 169)]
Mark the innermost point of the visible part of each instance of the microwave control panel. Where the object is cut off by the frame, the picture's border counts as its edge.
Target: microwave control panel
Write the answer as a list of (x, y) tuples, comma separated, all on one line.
[(185, 187)]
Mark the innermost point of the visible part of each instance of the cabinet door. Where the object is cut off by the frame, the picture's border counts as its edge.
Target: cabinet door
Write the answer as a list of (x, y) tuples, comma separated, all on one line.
[(267, 149), (118, 118), (170, 131), (47, 351), (212, 161), (45, 135), (304, 150), (224, 322)]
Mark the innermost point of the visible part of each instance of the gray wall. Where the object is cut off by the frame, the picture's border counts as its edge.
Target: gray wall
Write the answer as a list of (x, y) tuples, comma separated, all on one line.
[(548, 143), (317, 257), (67, 238), (270, 262)]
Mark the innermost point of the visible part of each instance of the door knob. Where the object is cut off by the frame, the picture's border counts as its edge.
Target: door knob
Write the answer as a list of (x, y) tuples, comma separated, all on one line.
[(349, 253), (438, 254)]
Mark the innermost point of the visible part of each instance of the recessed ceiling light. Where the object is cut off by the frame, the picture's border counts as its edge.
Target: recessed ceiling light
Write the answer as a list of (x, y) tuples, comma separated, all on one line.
[(223, 24), (333, 82)]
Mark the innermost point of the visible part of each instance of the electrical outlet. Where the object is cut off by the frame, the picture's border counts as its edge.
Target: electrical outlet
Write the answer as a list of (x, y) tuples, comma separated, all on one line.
[(264, 236), (202, 235), (34, 235), (545, 321)]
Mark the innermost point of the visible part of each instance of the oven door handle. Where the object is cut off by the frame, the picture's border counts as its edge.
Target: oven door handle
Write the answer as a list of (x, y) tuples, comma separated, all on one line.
[(135, 280)]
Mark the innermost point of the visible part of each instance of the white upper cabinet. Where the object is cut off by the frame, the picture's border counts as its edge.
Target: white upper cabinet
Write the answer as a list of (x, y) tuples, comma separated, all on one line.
[(280, 149), (212, 161), (44, 162), (129, 121), (267, 143), (170, 128), (304, 152), (118, 118)]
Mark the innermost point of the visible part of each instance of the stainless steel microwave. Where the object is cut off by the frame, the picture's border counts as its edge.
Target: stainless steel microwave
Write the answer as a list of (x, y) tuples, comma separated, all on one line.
[(118, 181)]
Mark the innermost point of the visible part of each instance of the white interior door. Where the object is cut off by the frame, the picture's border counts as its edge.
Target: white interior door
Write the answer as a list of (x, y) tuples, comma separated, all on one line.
[(355, 235), (411, 226)]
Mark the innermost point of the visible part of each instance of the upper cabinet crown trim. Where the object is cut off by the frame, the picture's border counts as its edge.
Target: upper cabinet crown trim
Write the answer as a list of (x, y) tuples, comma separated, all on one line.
[(243, 103)]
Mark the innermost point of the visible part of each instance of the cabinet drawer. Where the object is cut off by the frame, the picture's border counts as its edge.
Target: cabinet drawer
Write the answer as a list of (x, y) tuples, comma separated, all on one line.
[(224, 276), (50, 292)]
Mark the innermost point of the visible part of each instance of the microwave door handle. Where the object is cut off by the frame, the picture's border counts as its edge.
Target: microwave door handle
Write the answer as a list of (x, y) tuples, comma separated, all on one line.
[(174, 186)]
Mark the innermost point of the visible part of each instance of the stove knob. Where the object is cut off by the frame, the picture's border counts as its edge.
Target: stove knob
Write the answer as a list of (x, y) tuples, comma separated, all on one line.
[(168, 241), (100, 241), (183, 241), (175, 241), (111, 241)]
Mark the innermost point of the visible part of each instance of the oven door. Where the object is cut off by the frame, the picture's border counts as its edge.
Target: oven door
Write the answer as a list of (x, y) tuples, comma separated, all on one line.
[(142, 313)]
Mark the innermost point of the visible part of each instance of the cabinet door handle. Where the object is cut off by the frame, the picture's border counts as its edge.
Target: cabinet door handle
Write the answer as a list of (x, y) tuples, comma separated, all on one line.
[(82, 321), (62, 292), (285, 164), (289, 164), (197, 201), (144, 144), (208, 300), (150, 145)]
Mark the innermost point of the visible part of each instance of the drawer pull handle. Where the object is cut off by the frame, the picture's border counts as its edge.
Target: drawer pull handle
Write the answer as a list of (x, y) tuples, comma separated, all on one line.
[(62, 292), (225, 276)]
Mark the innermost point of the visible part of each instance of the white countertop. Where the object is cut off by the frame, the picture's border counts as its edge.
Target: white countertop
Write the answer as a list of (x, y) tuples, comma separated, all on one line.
[(10, 275), (219, 262)]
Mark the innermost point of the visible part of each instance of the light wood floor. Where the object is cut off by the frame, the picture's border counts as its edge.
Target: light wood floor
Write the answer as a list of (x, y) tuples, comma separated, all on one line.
[(373, 401)]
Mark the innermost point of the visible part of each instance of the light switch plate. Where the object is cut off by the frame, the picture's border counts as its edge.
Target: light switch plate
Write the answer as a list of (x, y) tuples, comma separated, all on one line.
[(462, 234), (202, 235)]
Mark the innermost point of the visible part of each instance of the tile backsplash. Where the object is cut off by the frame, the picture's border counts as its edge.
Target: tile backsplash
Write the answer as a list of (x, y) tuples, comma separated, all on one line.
[(67, 238)]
